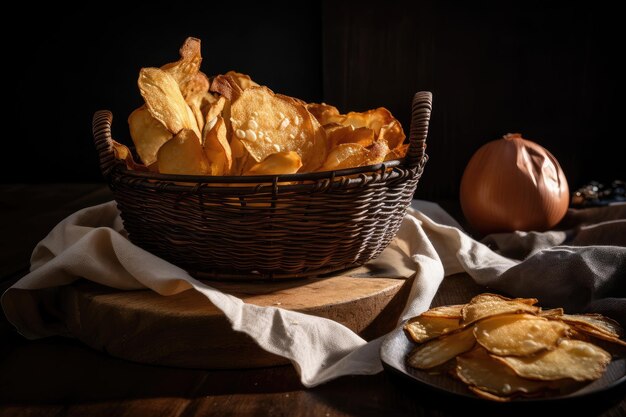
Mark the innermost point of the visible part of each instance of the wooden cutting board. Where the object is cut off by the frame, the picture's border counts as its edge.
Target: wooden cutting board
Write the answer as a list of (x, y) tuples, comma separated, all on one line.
[(186, 330)]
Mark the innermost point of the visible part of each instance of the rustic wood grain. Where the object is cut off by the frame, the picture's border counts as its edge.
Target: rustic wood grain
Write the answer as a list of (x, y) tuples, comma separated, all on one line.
[(186, 330)]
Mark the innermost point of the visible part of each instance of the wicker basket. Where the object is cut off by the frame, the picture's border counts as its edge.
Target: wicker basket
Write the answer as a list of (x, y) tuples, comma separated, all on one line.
[(267, 227)]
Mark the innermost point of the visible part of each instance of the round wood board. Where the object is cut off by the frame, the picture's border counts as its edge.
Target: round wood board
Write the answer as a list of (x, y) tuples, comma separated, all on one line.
[(186, 330)]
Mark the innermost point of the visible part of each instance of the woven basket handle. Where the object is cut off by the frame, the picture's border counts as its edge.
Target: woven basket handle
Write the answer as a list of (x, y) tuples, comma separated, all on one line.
[(420, 116), (101, 126)]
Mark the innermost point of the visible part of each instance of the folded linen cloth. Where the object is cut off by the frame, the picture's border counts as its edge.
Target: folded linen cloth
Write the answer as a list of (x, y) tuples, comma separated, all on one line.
[(578, 268)]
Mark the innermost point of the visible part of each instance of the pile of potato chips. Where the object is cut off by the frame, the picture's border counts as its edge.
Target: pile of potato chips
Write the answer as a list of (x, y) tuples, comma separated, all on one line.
[(503, 348), (230, 125)]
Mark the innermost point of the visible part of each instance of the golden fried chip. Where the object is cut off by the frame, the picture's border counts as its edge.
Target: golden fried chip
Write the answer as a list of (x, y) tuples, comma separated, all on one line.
[(165, 101), (393, 134), (244, 81), (575, 359), (346, 155), (197, 97), (148, 134), (185, 71), (377, 152), (279, 163), (478, 369), (423, 328), (325, 113), (518, 334), (441, 350), (266, 124), (398, 153), (551, 313), (582, 332), (487, 305), (213, 110), (122, 153), (373, 119), (449, 311), (317, 150), (183, 154), (338, 134), (595, 321), (216, 147), (227, 86)]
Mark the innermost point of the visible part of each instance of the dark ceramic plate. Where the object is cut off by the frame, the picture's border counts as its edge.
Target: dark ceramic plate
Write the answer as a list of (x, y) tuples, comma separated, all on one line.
[(396, 346)]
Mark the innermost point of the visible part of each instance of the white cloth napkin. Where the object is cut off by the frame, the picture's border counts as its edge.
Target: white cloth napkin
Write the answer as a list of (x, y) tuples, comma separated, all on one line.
[(91, 244)]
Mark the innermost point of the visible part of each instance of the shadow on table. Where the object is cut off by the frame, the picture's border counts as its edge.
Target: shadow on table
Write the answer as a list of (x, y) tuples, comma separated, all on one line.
[(57, 370)]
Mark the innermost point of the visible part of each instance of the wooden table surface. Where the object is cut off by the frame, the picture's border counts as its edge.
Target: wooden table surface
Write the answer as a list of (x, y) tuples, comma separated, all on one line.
[(61, 377)]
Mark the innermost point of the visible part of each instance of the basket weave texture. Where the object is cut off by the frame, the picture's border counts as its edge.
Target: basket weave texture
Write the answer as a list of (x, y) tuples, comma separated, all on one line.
[(267, 227)]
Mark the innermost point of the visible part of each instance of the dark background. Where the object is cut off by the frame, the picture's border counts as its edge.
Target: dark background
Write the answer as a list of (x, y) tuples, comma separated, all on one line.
[(549, 72)]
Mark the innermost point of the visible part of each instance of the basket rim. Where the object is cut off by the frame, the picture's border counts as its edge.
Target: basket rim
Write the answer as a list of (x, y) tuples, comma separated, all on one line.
[(121, 167)]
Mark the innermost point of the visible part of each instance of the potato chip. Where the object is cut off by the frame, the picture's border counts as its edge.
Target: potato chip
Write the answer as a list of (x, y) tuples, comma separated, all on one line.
[(478, 369), (438, 351), (266, 124), (338, 134), (122, 153), (183, 154), (325, 113), (393, 134), (216, 148), (165, 101), (398, 153), (518, 334), (487, 305), (575, 359), (244, 81), (213, 110), (377, 152), (197, 97), (148, 134), (279, 163), (551, 313), (373, 119), (346, 155), (583, 332), (185, 71), (227, 86), (450, 311), (423, 328), (595, 321), (317, 150)]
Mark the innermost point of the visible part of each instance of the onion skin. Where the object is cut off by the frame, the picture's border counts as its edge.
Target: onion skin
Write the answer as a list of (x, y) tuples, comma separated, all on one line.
[(513, 184)]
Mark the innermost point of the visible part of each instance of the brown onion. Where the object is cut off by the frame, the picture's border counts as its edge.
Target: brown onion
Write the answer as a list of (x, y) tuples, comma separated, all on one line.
[(513, 184)]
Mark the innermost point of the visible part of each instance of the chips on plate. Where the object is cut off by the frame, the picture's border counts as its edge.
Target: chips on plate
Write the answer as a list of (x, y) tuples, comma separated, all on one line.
[(504, 348)]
